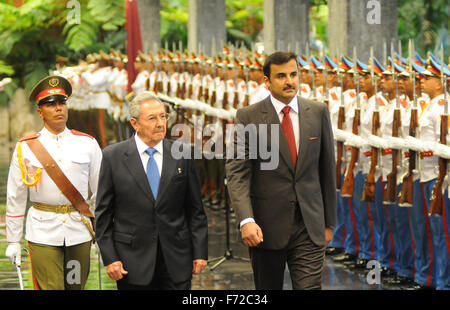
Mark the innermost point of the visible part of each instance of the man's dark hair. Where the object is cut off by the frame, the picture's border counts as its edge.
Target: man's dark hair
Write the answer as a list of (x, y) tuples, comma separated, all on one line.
[(277, 58)]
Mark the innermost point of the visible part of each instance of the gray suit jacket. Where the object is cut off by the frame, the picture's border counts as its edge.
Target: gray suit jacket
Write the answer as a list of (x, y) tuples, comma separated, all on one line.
[(271, 196)]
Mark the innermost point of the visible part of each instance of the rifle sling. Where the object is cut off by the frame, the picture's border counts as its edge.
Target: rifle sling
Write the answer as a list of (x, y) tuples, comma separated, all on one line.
[(60, 179)]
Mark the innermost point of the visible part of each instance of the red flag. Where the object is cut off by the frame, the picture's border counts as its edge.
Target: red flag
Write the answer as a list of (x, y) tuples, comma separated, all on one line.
[(134, 41)]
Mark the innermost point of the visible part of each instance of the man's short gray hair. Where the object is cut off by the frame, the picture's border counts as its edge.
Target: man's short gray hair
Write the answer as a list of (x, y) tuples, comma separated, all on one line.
[(135, 105)]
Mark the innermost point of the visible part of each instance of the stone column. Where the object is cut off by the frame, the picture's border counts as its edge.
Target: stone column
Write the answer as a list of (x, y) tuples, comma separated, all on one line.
[(206, 25), (362, 23), (286, 25), (150, 22)]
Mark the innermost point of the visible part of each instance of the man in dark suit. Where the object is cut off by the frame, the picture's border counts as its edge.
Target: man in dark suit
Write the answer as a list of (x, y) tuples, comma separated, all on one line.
[(287, 213), (150, 224)]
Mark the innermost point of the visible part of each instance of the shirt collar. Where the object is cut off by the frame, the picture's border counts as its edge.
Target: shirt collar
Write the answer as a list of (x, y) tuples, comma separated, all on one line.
[(278, 105), (142, 147), (46, 133)]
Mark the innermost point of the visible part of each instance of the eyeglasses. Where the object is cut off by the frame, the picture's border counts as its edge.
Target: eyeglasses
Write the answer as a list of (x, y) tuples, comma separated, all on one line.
[(154, 118)]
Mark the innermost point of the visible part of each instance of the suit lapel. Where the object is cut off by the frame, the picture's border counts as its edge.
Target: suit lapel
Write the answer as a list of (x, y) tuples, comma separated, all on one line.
[(132, 161), (271, 117), (304, 125)]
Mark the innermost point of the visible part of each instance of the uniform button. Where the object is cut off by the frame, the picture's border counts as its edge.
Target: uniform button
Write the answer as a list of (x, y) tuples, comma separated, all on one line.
[(64, 221)]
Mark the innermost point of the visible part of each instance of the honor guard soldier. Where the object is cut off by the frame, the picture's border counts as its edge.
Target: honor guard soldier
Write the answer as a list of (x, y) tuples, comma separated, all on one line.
[(305, 90), (319, 79), (431, 251), (351, 220), (334, 75), (141, 83), (60, 167), (257, 88), (100, 99), (118, 89)]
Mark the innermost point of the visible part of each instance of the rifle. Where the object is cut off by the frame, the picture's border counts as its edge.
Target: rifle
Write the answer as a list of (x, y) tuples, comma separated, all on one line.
[(340, 125), (247, 94), (436, 198), (311, 72), (200, 89), (349, 181), (190, 88), (390, 194), (406, 194), (236, 94), (225, 103), (325, 71), (159, 88), (368, 193)]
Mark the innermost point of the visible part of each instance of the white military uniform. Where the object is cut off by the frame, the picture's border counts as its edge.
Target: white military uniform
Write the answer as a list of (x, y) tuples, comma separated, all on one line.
[(140, 83), (119, 89), (350, 106), (242, 91), (261, 93), (334, 102), (98, 82), (305, 91), (429, 132), (320, 94), (174, 81), (79, 158), (196, 84)]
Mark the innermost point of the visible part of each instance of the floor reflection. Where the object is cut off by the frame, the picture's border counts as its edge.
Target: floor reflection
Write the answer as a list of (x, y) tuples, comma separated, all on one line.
[(231, 274)]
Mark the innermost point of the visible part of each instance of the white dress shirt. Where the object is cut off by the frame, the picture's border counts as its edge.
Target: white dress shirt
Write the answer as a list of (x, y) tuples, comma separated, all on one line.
[(158, 155)]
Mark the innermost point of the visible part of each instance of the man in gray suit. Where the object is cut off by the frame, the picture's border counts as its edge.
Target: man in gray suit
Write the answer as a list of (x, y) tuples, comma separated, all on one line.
[(286, 214)]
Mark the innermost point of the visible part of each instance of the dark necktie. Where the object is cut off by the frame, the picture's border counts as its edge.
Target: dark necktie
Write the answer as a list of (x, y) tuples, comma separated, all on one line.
[(286, 123), (152, 171)]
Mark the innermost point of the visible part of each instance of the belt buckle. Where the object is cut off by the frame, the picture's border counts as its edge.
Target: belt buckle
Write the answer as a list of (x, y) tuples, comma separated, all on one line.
[(63, 209)]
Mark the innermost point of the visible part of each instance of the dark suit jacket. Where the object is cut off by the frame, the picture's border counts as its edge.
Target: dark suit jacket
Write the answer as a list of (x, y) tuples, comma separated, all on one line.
[(129, 221), (271, 196)]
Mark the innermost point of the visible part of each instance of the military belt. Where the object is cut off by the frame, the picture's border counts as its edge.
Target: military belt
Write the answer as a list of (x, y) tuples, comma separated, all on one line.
[(54, 208), (63, 209)]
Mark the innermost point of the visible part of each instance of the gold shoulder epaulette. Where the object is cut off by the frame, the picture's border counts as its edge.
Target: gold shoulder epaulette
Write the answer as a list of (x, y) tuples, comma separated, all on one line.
[(32, 136), (79, 133)]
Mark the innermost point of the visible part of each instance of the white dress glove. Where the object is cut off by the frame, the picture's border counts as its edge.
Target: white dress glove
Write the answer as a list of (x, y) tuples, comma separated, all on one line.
[(376, 142), (415, 144), (13, 251), (441, 150), (395, 143), (356, 141)]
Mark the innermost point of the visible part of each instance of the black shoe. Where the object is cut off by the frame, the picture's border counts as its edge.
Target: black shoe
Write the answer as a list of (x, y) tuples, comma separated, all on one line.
[(418, 287), (345, 257), (400, 280), (387, 274), (361, 263), (330, 251)]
